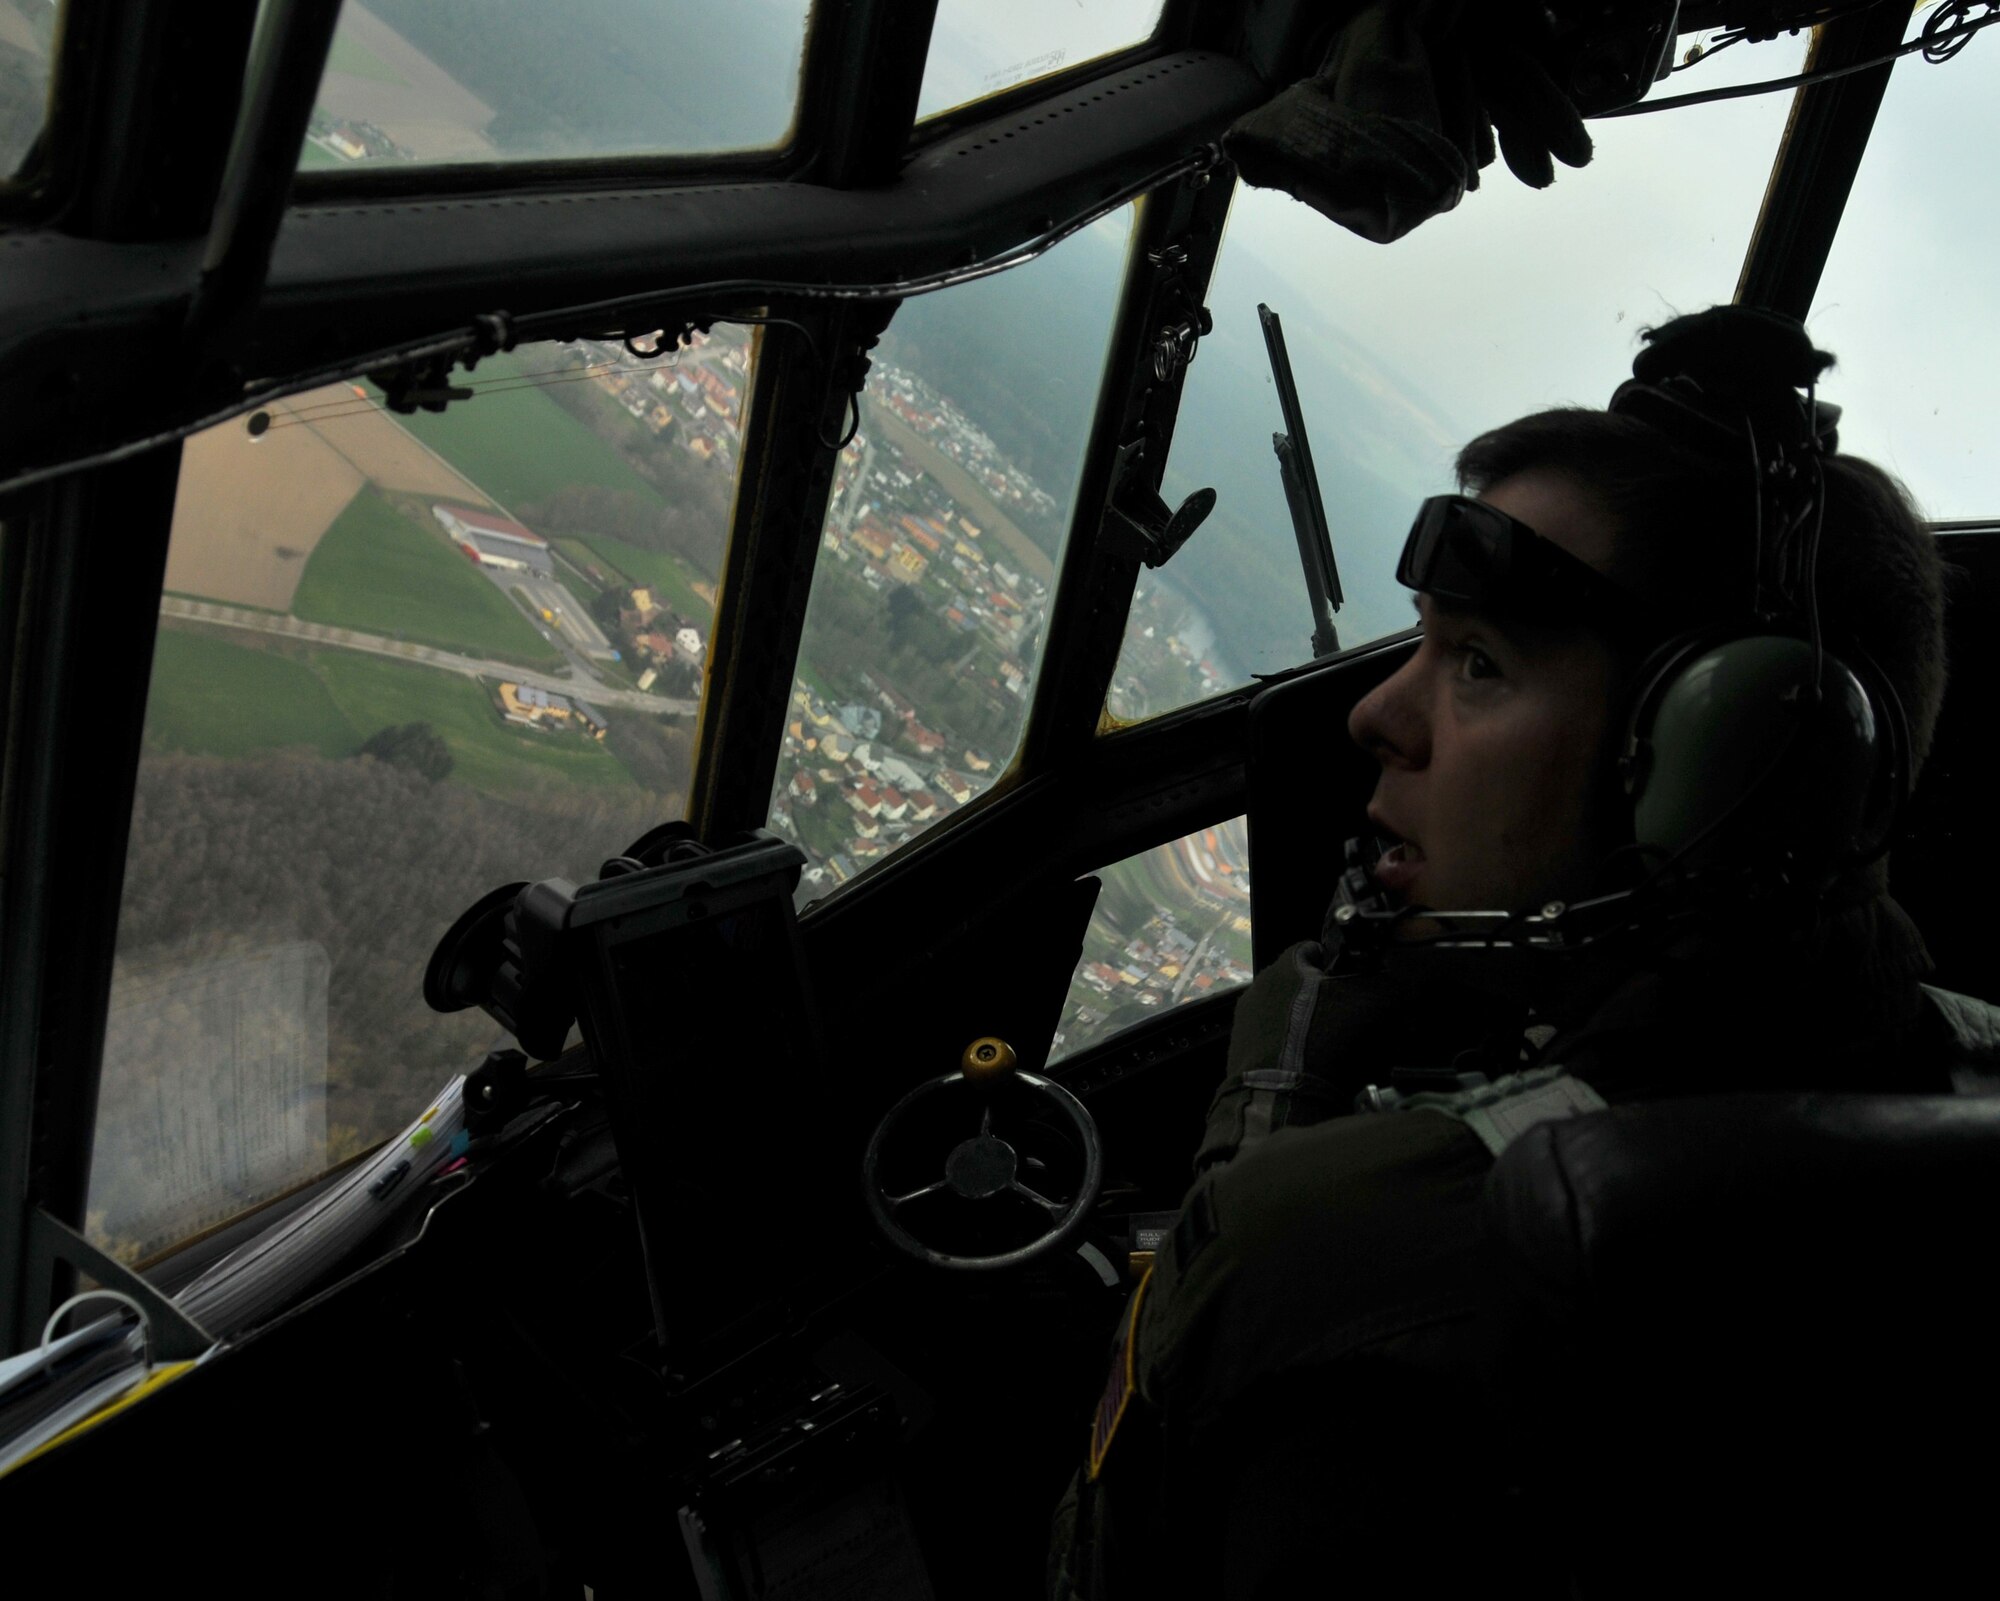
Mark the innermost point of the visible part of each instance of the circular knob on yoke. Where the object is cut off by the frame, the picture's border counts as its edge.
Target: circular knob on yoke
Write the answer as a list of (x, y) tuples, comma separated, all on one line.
[(987, 1060)]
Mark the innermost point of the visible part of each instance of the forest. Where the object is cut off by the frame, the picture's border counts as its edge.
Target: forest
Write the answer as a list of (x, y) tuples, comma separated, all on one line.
[(850, 631), (690, 519), (370, 860)]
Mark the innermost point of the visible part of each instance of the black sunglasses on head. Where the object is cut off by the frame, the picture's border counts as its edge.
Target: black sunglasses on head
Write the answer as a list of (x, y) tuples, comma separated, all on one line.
[(1467, 552)]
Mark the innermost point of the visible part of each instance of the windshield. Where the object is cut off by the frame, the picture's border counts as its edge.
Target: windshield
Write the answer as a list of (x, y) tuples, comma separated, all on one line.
[(943, 537), (979, 48), (1171, 925), (1517, 300), (507, 80), (401, 660), (1902, 302), (27, 56)]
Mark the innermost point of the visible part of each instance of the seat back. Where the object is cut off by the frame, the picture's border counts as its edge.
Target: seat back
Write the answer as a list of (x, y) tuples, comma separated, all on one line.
[(1741, 1342), (1945, 870)]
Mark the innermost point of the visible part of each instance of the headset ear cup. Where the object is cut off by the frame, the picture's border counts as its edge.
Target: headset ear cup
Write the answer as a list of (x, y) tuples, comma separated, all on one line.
[(1639, 757), (1729, 755), (1896, 770)]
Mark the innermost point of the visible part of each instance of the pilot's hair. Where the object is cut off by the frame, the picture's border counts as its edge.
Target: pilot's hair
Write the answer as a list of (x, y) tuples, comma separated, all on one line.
[(1684, 539)]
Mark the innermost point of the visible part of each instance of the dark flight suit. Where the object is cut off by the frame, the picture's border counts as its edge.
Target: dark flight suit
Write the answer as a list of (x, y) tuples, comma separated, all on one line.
[(1294, 1405)]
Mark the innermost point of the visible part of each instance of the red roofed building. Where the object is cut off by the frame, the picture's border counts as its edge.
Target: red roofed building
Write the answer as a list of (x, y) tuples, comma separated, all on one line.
[(866, 799)]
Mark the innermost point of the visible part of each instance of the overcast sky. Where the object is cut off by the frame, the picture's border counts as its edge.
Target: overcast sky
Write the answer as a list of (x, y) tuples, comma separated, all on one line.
[(1522, 299), (980, 46)]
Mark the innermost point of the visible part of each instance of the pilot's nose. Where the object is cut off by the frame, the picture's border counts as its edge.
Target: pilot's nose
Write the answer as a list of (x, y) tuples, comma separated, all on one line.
[(1389, 722)]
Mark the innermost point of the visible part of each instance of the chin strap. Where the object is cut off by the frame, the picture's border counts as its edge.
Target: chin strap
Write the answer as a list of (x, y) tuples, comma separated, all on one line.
[(1366, 922)]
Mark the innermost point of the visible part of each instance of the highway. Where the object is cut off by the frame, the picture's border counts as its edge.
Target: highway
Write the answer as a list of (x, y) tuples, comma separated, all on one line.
[(595, 693)]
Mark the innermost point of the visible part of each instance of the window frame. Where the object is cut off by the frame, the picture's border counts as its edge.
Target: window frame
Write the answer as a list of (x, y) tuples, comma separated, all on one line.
[(104, 186)]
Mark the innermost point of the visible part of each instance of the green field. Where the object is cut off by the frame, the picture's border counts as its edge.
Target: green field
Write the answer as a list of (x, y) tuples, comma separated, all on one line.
[(212, 696), (655, 569), (489, 755), (313, 159), (520, 446), (380, 571), (578, 586), (216, 698)]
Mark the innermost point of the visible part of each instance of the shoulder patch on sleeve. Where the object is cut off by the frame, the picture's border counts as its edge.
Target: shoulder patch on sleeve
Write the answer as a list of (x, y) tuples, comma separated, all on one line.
[(1119, 1385)]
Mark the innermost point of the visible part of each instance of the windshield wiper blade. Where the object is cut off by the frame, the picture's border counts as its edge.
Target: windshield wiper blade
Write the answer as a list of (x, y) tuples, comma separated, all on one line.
[(1295, 467)]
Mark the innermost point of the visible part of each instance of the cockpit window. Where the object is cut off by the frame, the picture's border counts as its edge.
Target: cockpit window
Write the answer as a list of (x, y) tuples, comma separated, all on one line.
[(1516, 301), (979, 49), (439, 81), (401, 660), (1171, 925), (937, 564), (1901, 303), (27, 56)]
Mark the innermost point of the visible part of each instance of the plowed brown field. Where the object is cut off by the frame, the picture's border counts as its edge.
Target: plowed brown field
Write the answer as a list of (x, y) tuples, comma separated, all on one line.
[(250, 510)]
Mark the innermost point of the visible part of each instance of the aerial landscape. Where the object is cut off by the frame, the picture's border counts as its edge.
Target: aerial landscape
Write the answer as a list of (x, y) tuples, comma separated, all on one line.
[(403, 659)]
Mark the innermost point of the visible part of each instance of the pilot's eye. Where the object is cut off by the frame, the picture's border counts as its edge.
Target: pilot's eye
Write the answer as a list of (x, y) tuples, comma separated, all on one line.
[(1474, 663)]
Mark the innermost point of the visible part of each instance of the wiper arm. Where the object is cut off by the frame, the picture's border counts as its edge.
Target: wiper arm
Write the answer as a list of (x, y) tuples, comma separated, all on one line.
[(1295, 467)]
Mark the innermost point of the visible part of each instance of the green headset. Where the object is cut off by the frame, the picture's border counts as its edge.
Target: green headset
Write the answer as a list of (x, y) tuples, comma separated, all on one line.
[(1758, 742), (1757, 756)]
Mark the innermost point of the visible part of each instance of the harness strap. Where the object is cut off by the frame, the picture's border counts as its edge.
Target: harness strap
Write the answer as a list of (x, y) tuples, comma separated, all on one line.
[(1501, 1112)]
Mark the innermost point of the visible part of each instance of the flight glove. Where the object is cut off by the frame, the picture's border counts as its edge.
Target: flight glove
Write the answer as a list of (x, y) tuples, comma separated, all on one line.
[(1403, 114)]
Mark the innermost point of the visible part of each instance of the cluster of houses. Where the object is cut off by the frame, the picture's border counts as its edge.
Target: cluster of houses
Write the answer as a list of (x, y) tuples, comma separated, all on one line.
[(955, 434), (1199, 882), (529, 707), (1161, 965), (892, 528), (895, 528), (1159, 668), (655, 635), (354, 140), (868, 798), (696, 401)]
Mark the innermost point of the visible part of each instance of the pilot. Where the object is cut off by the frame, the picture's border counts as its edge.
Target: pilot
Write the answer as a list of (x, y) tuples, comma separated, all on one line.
[(1679, 662)]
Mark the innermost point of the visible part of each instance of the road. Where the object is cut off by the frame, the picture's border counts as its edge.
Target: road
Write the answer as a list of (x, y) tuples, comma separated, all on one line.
[(595, 693)]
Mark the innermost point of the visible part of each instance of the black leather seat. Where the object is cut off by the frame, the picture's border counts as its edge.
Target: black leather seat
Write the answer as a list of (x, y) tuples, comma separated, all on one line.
[(1744, 1345)]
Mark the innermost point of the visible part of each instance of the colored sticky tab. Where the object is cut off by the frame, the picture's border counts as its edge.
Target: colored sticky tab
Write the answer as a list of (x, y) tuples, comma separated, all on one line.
[(419, 1138), (461, 1142)]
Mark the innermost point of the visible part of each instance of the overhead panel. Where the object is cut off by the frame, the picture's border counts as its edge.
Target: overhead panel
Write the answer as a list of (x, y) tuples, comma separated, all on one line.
[(435, 82), (980, 49)]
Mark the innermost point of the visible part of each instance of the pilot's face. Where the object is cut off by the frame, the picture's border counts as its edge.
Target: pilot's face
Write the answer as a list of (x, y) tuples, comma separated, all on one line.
[(1493, 738)]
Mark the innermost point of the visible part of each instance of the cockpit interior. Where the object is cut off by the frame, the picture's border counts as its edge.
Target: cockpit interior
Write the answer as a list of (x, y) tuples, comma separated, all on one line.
[(663, 665)]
